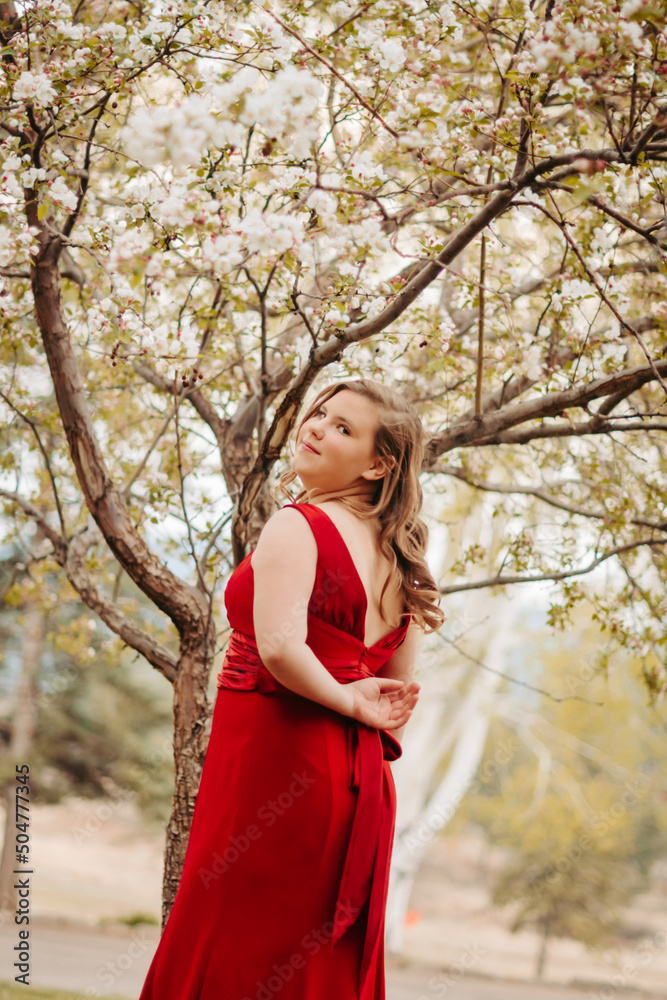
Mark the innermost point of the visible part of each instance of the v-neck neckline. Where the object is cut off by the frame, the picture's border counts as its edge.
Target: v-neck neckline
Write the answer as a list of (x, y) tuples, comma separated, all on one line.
[(360, 584)]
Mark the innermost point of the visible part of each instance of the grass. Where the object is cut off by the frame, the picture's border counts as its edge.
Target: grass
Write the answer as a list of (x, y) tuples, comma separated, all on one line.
[(14, 991)]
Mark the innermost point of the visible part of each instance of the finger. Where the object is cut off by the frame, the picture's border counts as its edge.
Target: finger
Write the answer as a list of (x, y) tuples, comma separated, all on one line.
[(406, 698), (390, 684), (400, 714), (412, 690)]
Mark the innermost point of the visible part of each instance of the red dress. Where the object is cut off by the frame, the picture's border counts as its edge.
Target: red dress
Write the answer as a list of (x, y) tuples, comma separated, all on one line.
[(284, 884)]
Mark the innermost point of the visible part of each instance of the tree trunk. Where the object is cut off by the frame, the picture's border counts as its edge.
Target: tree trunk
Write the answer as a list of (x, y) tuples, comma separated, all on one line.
[(191, 733), (467, 733), (542, 954), (412, 843), (188, 607), (23, 728)]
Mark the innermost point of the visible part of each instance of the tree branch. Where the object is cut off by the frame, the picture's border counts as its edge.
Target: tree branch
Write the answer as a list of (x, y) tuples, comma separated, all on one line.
[(540, 494), (488, 429), (601, 292), (330, 351), (71, 556), (77, 574), (504, 581), (332, 69), (57, 541), (183, 603), (567, 429), (513, 680), (33, 427)]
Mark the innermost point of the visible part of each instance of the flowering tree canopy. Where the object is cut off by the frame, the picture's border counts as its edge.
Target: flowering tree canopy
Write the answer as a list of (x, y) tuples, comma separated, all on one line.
[(205, 208)]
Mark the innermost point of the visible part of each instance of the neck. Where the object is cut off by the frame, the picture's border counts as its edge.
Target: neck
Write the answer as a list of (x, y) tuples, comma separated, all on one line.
[(357, 491)]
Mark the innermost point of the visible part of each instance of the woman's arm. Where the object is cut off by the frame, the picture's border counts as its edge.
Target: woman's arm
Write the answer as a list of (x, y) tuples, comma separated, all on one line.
[(401, 665), (284, 565)]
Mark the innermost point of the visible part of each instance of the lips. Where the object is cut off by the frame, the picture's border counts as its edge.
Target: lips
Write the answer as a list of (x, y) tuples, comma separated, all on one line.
[(309, 447)]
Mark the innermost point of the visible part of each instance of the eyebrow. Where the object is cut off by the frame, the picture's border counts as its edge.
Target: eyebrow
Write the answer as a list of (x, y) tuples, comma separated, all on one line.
[(343, 420)]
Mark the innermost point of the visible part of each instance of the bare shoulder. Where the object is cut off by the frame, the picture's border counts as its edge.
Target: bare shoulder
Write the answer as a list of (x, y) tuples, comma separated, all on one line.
[(287, 534), (349, 521)]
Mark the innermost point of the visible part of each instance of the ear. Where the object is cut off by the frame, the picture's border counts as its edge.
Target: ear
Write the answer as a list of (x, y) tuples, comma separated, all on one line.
[(379, 467)]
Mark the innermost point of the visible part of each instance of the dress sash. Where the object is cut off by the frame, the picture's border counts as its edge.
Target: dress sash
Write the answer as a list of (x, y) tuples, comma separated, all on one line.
[(364, 878)]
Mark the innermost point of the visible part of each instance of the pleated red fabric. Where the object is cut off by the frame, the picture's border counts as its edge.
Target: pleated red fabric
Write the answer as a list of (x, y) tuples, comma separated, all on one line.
[(284, 885)]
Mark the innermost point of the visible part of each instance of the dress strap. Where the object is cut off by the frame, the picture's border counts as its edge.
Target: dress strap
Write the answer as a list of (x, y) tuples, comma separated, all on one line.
[(320, 523)]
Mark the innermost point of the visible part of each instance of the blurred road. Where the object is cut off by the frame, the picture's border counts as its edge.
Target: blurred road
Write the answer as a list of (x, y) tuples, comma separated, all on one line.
[(114, 962)]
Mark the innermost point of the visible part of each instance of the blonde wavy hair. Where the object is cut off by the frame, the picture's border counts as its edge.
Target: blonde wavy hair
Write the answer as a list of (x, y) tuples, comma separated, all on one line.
[(397, 499)]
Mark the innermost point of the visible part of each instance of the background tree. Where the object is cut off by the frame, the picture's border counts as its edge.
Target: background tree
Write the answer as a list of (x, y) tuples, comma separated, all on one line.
[(80, 715), (206, 207), (579, 812)]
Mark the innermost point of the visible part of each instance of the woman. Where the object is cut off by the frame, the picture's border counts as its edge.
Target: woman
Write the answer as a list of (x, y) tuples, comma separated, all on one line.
[(284, 884)]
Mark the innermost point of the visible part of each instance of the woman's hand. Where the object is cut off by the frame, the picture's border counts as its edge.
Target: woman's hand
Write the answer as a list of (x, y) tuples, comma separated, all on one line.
[(382, 702)]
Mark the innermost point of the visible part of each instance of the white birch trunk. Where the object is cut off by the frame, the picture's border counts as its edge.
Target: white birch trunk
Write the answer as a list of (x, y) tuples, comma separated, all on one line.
[(429, 739)]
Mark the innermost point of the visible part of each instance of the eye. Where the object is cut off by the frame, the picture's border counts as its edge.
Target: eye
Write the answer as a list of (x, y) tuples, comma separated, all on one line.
[(339, 425)]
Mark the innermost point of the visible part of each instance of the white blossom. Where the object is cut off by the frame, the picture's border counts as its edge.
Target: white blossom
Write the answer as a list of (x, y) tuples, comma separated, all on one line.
[(532, 362), (363, 167), (222, 252), (179, 134), (7, 247), (72, 32), (450, 18), (29, 178), (576, 288), (613, 352), (632, 7), (368, 35), (323, 204), (34, 88), (111, 30), (391, 54), (174, 210), (286, 106), (271, 233), (341, 9), (446, 330), (62, 195)]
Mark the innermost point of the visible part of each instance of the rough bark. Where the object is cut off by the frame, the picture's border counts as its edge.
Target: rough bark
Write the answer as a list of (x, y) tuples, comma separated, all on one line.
[(191, 732), (188, 607)]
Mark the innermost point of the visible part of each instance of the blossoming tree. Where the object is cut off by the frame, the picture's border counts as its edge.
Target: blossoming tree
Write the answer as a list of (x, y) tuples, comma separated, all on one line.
[(206, 207)]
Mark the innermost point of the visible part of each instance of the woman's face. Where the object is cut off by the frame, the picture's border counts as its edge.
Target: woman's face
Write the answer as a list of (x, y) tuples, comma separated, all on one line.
[(335, 447)]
